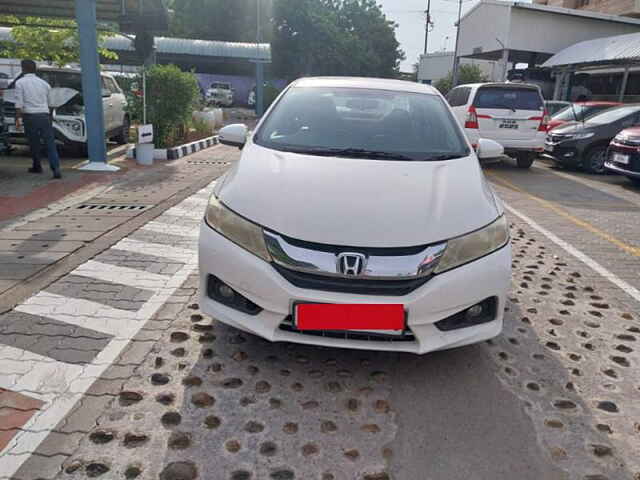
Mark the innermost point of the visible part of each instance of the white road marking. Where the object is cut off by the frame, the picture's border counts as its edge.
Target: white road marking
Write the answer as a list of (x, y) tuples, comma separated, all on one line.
[(570, 249), (190, 213), (35, 375), (167, 229), (123, 275), (178, 254), (82, 313)]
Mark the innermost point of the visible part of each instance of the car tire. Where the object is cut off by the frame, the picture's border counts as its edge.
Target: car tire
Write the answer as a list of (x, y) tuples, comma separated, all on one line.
[(594, 160), (123, 137), (525, 160)]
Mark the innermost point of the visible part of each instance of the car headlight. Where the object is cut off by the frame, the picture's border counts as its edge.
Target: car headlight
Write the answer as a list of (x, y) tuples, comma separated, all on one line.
[(474, 245), (74, 126), (244, 233), (582, 136)]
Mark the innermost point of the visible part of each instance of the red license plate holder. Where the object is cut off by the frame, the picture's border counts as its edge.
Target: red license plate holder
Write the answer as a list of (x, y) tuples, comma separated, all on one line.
[(363, 317)]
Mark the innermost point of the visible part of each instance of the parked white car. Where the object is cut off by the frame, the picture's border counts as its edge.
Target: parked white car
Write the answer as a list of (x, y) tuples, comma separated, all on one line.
[(512, 114), (374, 231), (69, 122), (220, 94)]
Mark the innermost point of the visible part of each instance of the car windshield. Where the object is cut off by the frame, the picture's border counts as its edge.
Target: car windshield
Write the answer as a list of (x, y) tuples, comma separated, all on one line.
[(579, 112), (613, 114), (62, 79), (509, 98), (363, 123)]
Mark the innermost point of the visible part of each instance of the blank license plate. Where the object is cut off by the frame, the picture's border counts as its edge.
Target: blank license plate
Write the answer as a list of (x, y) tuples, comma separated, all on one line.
[(548, 148), (620, 158), (324, 316)]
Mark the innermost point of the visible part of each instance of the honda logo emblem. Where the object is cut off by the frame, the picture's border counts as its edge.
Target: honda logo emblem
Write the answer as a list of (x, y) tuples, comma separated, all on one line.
[(352, 264)]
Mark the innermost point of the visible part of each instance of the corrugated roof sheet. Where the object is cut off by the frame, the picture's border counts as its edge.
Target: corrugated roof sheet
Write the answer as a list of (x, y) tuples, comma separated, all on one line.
[(617, 49), (204, 48), (185, 46)]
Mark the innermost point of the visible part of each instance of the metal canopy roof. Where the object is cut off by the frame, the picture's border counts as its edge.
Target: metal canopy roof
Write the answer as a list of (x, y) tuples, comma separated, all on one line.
[(183, 47), (618, 49), (198, 48), (130, 14)]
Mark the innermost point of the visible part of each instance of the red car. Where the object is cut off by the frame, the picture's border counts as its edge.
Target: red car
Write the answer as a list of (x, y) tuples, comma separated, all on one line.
[(578, 112), (623, 156)]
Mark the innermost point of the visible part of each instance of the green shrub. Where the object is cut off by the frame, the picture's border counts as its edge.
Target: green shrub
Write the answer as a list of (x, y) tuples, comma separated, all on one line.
[(171, 98)]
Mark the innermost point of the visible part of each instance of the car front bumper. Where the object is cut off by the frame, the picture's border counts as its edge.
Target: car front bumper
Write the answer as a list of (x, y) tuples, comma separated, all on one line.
[(441, 297), (629, 169), (566, 153)]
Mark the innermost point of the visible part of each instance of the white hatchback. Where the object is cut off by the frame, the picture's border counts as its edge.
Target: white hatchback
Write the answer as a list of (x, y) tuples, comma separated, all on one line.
[(358, 216), (512, 114)]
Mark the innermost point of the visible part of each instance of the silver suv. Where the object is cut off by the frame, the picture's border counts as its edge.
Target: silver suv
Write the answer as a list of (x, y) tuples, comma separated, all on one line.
[(69, 122)]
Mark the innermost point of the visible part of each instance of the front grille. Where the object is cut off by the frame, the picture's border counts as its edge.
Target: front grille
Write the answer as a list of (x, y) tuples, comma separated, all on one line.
[(407, 336), (9, 109), (394, 288)]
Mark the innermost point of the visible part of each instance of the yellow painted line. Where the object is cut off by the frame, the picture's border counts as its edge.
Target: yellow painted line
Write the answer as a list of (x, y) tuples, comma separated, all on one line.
[(635, 251)]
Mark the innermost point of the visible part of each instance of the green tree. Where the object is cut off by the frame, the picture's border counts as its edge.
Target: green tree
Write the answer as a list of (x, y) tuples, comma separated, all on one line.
[(308, 37), (468, 73), (57, 42)]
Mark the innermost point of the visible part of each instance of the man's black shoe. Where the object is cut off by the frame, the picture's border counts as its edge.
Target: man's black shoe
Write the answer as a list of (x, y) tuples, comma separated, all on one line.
[(35, 170), (56, 174)]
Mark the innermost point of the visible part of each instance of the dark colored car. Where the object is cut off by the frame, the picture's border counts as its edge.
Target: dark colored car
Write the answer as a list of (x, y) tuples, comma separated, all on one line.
[(624, 154), (585, 144), (578, 111), (554, 106)]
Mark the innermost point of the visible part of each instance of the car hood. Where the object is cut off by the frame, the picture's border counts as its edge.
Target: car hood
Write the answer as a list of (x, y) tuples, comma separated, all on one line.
[(58, 96), (573, 127), (358, 202)]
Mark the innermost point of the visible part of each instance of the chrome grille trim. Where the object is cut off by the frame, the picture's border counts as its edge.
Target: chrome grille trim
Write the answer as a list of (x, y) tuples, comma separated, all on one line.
[(379, 266)]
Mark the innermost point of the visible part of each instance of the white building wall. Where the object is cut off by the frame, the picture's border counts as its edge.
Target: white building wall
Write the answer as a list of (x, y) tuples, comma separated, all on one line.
[(483, 27), (436, 66), (554, 32)]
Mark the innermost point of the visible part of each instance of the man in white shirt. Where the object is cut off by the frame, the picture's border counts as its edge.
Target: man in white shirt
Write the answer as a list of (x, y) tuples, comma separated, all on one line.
[(32, 107)]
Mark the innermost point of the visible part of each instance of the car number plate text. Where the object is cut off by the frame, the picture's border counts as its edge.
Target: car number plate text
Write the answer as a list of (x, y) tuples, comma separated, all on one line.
[(620, 158), (365, 317)]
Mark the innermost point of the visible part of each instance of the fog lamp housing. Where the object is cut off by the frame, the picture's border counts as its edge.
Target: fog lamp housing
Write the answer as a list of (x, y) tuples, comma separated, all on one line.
[(222, 293), (482, 312)]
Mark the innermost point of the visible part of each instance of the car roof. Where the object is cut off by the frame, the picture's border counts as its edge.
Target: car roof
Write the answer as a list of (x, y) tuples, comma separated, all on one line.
[(363, 82), (500, 84), (596, 103), (67, 70)]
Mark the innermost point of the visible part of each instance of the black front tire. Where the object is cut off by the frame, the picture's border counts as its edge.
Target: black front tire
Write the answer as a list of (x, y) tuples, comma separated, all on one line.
[(525, 160), (123, 137), (594, 160), (635, 181)]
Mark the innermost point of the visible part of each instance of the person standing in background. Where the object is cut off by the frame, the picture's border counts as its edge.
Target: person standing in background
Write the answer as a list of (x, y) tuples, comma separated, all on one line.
[(32, 108)]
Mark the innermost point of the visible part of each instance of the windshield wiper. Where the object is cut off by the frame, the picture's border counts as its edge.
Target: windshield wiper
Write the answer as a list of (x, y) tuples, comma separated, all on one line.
[(502, 105), (447, 156), (356, 153)]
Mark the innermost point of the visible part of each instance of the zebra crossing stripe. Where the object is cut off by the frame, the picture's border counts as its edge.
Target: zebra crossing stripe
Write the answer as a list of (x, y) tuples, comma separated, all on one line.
[(158, 226), (132, 277), (167, 251), (80, 312)]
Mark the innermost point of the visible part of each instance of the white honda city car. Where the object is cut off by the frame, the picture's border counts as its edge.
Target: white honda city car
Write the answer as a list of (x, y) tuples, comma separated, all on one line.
[(358, 217)]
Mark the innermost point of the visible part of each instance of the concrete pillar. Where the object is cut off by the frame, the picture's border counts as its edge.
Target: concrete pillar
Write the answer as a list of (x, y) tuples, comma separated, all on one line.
[(623, 87), (259, 88), (92, 86), (504, 63), (557, 90)]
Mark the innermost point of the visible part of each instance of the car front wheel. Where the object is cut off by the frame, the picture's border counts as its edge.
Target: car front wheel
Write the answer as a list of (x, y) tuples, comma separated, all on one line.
[(594, 160), (123, 135), (525, 160)]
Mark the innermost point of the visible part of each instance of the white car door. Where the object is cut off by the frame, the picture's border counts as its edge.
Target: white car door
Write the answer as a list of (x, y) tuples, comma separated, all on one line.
[(107, 106), (119, 102)]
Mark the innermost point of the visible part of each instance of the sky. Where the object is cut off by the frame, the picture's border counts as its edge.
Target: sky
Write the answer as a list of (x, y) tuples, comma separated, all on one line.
[(409, 14)]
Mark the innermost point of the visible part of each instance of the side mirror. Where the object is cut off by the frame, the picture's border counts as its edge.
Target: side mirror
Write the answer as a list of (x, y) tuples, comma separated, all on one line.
[(234, 135), (489, 149)]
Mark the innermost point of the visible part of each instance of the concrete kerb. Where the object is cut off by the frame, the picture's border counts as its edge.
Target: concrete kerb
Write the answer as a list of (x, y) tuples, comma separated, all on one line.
[(180, 151)]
